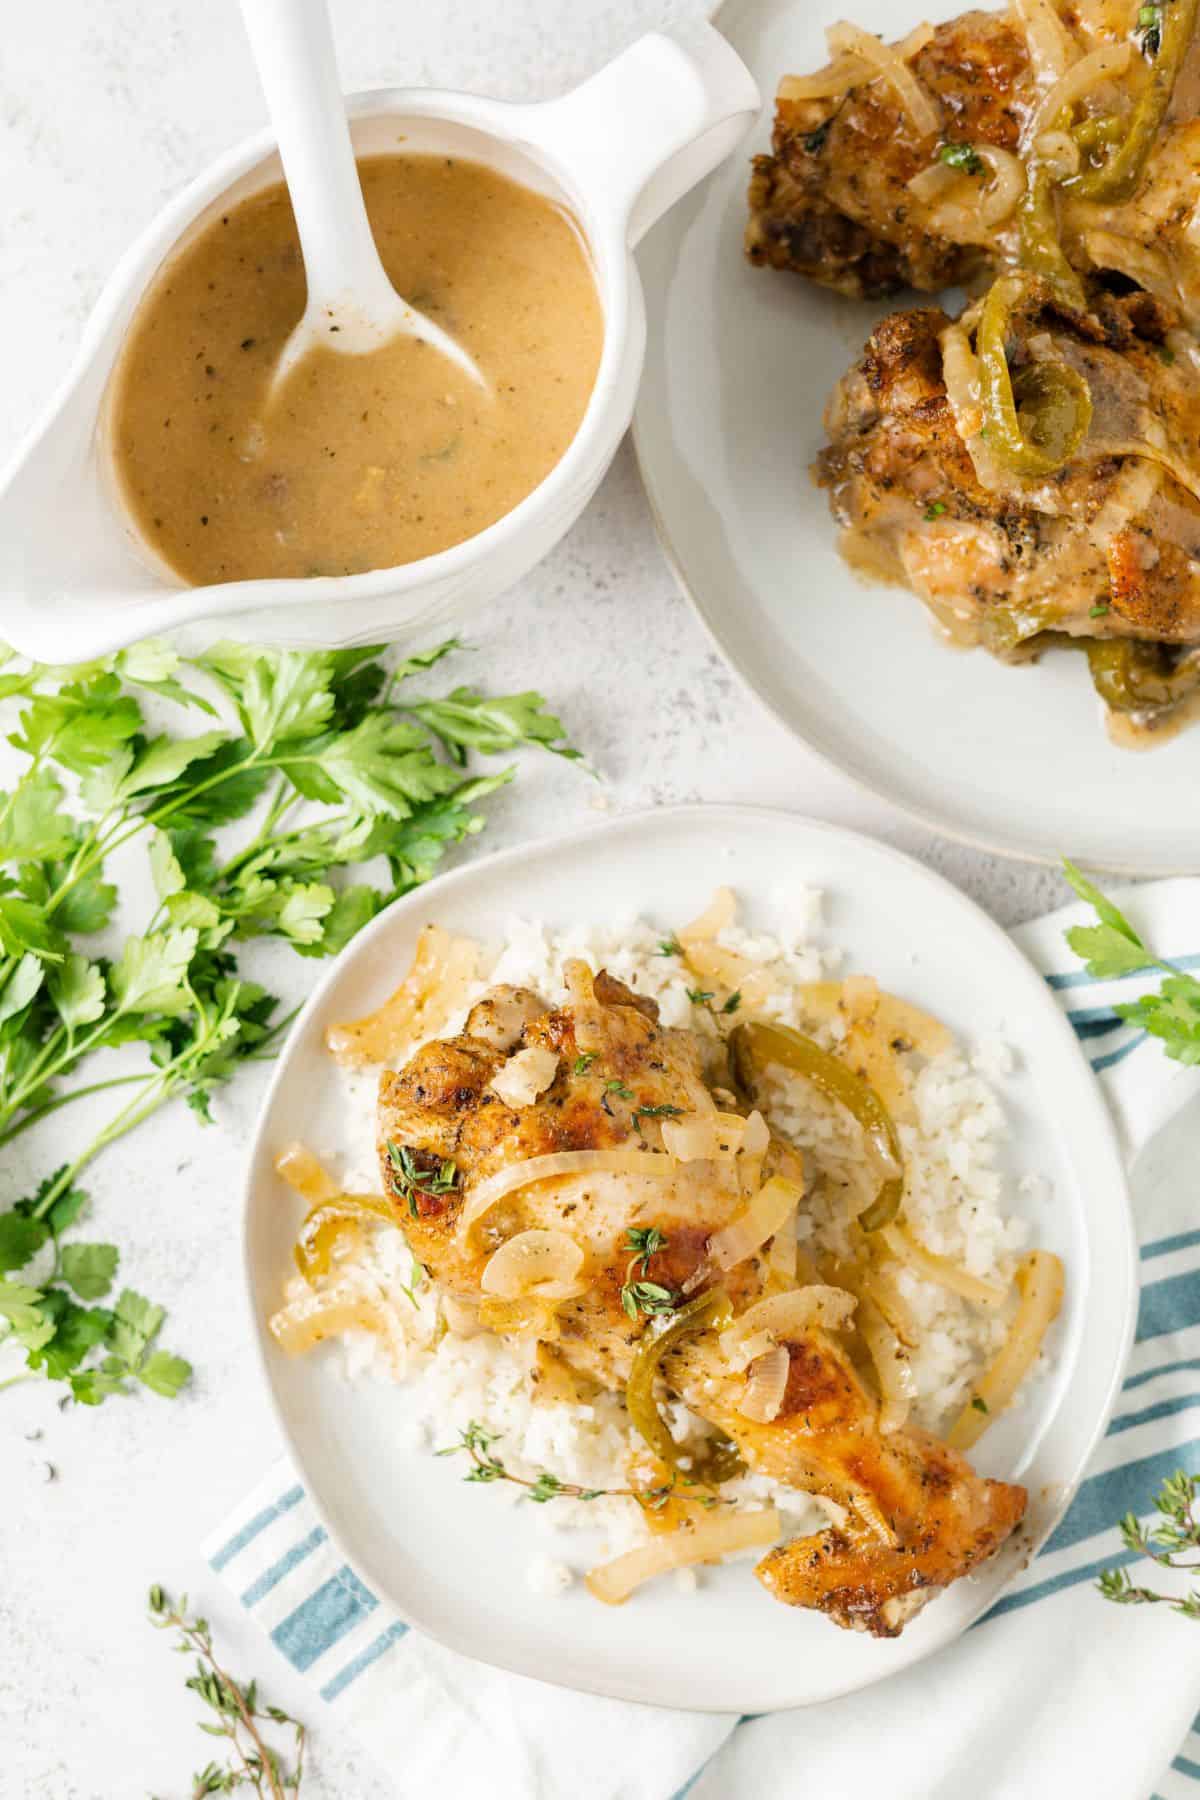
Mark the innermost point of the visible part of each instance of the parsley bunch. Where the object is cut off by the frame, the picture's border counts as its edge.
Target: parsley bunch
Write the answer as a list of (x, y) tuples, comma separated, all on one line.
[(310, 767), (96, 1350), (1112, 947)]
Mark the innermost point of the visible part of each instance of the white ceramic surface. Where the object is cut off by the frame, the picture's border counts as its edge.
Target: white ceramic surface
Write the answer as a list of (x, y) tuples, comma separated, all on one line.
[(739, 366), (617, 151), (453, 1561), (344, 279)]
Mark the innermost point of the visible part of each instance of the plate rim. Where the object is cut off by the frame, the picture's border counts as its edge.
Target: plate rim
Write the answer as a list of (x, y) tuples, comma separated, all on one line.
[(1103, 1124)]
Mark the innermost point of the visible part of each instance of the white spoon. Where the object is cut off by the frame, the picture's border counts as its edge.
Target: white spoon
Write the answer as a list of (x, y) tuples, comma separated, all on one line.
[(352, 306)]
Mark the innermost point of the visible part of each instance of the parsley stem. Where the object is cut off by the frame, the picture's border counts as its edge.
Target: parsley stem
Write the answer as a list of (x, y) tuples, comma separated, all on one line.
[(31, 1117)]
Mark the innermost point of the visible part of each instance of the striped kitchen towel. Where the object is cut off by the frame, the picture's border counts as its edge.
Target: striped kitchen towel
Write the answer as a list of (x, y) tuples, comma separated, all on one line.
[(1053, 1694)]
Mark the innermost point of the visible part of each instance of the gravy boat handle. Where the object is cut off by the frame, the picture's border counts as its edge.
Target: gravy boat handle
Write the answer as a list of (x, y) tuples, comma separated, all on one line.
[(650, 125)]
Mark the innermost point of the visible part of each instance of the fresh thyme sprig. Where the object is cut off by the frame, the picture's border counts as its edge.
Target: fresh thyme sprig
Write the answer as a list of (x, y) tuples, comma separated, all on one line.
[(409, 1180), (486, 1467), (239, 1717), (642, 1296), (1170, 1541)]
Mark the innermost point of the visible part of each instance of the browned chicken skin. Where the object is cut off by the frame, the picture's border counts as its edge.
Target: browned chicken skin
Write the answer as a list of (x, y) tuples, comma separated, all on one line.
[(916, 1517), (1107, 548), (831, 201), (1104, 554)]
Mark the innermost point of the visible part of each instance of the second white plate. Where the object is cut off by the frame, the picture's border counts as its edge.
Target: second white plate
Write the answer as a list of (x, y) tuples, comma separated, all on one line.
[(739, 366), (451, 1557)]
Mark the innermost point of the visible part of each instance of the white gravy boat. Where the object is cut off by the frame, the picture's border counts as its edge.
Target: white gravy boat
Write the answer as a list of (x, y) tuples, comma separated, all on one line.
[(75, 580)]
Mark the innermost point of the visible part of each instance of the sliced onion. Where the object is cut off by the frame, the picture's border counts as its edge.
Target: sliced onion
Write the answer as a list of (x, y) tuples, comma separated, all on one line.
[(306, 1175), (718, 915), (775, 1202), (889, 61), (932, 184), (960, 373), (1050, 49), (711, 1538), (709, 1137), (1141, 262), (1103, 64), (525, 1318), (1059, 153), (880, 1286), (560, 1162), (1182, 472), (317, 1315), (534, 1264), (525, 1075), (1001, 195), (755, 1144), (765, 1386), (781, 1257), (948, 1274), (1040, 1281), (434, 988), (830, 83), (461, 1315), (787, 1318), (897, 1384)]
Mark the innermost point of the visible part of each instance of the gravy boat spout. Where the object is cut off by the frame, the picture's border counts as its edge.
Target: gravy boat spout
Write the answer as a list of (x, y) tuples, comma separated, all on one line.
[(76, 579)]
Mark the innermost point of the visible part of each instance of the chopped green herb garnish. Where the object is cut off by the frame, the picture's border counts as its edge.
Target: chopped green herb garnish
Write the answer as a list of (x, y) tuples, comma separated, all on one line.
[(409, 1180), (619, 1089), (935, 509), (980, 1404), (733, 1002), (961, 156), (642, 1296), (657, 1112), (1098, 611), (699, 996), (1165, 354), (814, 141), (670, 947), (584, 1061)]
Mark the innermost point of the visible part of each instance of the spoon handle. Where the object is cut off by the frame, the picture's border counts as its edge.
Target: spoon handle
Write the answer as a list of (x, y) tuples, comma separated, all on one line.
[(292, 44)]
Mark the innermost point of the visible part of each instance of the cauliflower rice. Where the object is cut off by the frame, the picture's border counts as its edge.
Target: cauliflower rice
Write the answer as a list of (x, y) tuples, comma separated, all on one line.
[(955, 1202)]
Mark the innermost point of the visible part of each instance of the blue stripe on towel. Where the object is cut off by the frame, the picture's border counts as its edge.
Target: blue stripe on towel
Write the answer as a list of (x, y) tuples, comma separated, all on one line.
[(258, 1523), (1112, 1057), (1163, 1409), (1183, 1765), (1169, 1306), (1103, 1499), (1080, 978), (274, 1575), (1041, 1590), (354, 1668), (322, 1620), (1171, 1368), (1183, 1240)]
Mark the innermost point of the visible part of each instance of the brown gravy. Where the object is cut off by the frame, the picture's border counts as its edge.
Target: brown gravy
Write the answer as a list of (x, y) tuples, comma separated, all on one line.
[(358, 462)]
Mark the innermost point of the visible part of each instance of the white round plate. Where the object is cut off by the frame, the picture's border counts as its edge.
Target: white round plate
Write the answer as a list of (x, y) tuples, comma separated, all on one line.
[(739, 366), (452, 1557)]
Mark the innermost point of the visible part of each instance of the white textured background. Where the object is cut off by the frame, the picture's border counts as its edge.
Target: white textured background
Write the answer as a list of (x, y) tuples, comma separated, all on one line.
[(106, 107)]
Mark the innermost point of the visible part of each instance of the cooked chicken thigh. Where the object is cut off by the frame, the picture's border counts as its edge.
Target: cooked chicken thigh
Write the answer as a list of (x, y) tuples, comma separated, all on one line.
[(1107, 547), (916, 1516), (832, 201)]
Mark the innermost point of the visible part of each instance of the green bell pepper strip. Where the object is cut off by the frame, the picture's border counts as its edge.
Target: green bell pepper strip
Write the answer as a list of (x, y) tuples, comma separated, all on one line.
[(755, 1044), (1055, 404), (1118, 175), (1135, 677), (709, 1311), (1037, 225)]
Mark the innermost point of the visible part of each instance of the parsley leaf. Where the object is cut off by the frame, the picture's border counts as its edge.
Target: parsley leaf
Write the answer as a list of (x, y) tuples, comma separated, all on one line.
[(1113, 948)]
